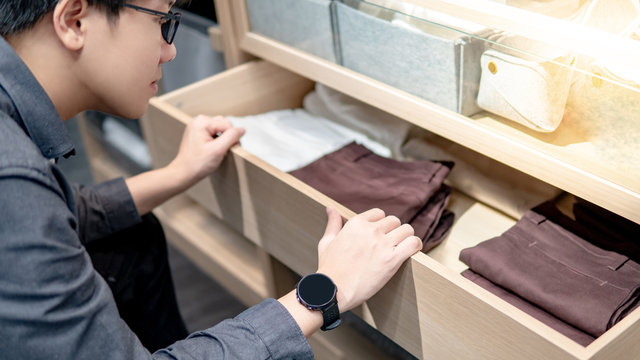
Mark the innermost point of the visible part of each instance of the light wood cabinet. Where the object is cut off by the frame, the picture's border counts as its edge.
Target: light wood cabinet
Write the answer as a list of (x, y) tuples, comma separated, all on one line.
[(428, 308)]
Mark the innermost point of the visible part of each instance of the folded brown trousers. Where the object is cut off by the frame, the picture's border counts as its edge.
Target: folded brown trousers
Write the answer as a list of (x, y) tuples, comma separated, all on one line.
[(553, 322), (412, 191), (586, 286)]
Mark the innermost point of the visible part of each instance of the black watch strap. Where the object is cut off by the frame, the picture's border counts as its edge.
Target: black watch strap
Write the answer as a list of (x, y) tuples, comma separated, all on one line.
[(331, 317)]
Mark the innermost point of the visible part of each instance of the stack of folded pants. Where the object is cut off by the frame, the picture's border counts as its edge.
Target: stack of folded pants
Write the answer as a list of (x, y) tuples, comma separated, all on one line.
[(361, 180), (548, 266)]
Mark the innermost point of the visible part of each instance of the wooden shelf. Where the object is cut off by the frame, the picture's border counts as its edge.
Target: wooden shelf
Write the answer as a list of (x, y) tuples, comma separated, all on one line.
[(567, 158)]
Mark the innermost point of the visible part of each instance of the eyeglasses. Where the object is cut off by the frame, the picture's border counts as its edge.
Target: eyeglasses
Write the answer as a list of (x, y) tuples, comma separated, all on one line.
[(169, 21)]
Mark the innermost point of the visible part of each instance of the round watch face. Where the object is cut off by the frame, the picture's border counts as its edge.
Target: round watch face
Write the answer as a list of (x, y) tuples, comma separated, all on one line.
[(316, 289)]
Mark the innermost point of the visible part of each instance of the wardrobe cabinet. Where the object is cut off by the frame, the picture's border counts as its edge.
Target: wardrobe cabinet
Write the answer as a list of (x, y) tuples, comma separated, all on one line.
[(259, 227)]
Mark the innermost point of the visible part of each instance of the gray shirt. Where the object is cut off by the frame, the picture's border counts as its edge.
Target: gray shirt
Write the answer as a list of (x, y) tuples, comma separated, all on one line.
[(53, 304)]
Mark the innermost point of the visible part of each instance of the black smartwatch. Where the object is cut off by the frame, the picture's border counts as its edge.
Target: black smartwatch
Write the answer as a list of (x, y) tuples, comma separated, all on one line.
[(318, 292)]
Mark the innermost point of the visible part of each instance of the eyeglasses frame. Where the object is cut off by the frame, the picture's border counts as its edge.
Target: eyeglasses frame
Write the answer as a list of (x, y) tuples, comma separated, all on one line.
[(173, 19)]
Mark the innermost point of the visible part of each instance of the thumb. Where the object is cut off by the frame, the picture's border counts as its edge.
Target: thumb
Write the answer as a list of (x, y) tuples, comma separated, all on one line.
[(334, 225)]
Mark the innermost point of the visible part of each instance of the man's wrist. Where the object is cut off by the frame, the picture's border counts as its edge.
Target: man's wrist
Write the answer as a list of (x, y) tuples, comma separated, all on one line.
[(183, 179), (309, 321)]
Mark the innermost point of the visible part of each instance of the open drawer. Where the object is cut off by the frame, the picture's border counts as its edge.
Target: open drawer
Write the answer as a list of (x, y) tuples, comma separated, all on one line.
[(219, 251), (428, 307)]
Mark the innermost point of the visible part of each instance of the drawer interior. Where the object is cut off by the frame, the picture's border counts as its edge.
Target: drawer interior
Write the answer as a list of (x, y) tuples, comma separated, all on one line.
[(428, 303)]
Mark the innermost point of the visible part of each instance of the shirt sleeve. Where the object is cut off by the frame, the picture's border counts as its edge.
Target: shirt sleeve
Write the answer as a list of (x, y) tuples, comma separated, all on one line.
[(265, 331), (103, 209), (54, 305)]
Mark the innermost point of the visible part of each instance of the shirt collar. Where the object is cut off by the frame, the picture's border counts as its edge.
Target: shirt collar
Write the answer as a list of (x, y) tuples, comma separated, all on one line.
[(39, 116)]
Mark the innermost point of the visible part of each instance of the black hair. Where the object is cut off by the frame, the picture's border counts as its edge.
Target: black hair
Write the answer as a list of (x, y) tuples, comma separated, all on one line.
[(20, 15)]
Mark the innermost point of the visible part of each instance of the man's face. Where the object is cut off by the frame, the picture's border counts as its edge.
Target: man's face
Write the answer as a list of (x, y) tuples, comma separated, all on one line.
[(122, 60)]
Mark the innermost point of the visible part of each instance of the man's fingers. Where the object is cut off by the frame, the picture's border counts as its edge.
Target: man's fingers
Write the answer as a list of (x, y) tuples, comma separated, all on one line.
[(400, 233), (214, 125), (373, 215), (408, 246), (229, 138), (388, 223)]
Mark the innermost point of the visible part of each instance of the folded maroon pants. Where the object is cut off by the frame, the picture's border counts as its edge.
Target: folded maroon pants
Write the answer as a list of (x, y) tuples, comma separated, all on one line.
[(553, 322), (361, 180), (551, 267)]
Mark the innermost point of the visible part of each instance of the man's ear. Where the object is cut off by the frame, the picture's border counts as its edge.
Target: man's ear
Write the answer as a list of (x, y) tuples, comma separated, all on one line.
[(68, 17)]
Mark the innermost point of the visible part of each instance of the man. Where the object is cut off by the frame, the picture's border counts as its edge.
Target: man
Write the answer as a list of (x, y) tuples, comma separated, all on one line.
[(61, 57)]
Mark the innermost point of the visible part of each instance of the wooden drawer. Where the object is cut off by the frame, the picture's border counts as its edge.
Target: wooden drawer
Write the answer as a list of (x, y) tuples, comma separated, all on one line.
[(216, 248), (428, 307)]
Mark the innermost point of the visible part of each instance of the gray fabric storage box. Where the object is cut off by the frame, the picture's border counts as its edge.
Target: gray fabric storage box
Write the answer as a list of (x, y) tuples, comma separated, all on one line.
[(443, 68), (304, 24)]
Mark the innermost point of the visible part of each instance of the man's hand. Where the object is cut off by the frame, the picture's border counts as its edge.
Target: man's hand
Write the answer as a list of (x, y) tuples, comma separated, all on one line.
[(360, 258), (205, 142), (201, 152), (364, 254)]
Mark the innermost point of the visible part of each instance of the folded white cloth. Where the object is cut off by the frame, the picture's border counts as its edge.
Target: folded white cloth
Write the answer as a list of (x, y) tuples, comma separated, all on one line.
[(290, 139)]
